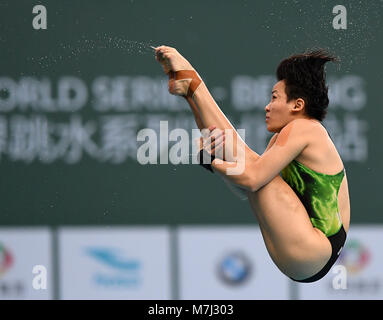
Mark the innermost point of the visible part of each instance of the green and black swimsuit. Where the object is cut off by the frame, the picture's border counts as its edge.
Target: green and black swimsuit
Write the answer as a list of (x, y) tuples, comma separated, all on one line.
[(318, 192)]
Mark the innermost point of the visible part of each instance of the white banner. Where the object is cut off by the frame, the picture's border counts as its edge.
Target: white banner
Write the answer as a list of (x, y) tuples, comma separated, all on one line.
[(114, 263), (227, 263), (25, 264)]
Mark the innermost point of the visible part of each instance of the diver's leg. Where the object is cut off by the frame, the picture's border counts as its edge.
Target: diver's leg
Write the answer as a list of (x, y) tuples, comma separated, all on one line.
[(197, 117), (207, 114), (185, 81), (296, 247)]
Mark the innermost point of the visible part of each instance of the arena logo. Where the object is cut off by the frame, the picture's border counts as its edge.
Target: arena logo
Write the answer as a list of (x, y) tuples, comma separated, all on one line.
[(235, 269), (123, 272), (179, 152), (13, 289), (6, 260), (355, 257)]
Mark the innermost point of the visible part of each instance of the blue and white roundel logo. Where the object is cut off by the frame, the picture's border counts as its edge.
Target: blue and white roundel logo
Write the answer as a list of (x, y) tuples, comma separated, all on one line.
[(234, 268)]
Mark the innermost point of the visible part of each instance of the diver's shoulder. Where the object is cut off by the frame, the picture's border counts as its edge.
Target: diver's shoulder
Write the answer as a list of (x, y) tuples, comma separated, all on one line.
[(306, 130), (305, 122), (303, 125)]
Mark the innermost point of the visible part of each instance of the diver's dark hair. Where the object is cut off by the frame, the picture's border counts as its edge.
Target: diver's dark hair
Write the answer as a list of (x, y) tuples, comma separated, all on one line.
[(305, 78)]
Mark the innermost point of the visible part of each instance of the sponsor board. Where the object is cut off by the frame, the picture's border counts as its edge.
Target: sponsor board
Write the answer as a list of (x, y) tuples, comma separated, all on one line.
[(114, 263), (25, 264), (227, 263)]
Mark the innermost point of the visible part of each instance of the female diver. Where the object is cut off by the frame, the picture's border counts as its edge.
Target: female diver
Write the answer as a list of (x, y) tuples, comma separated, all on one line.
[(298, 187)]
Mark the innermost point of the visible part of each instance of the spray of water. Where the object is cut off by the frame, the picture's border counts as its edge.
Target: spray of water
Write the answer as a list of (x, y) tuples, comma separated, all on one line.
[(312, 28), (88, 46)]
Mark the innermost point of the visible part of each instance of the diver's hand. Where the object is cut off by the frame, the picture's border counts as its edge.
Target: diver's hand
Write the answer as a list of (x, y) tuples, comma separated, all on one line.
[(213, 141)]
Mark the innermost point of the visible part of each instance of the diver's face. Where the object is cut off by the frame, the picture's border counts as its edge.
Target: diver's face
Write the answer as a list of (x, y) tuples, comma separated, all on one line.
[(278, 112)]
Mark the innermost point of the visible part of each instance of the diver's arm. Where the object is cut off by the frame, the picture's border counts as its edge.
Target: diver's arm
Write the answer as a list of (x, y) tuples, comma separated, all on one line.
[(260, 170)]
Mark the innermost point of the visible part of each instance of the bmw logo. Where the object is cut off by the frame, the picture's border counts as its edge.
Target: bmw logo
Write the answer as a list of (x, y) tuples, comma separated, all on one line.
[(234, 268)]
